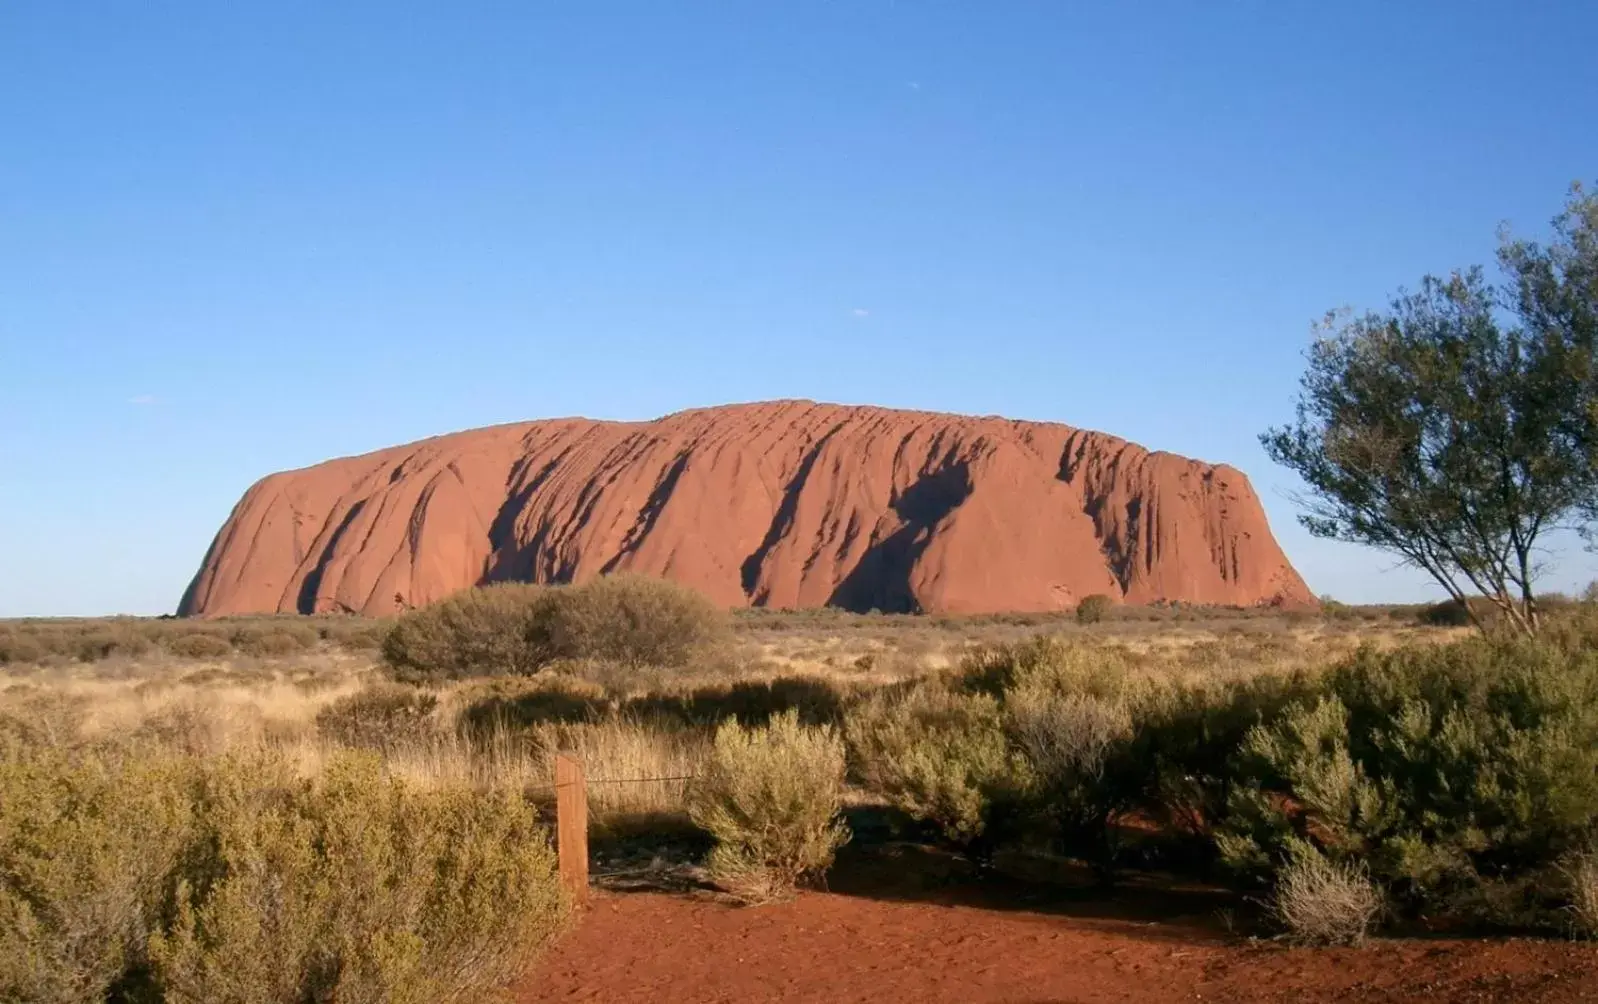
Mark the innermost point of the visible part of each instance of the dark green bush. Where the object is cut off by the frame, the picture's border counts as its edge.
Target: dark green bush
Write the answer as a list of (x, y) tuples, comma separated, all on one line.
[(1092, 609), (1449, 613), (1445, 768), (476, 632), (380, 717), (632, 620), (626, 622)]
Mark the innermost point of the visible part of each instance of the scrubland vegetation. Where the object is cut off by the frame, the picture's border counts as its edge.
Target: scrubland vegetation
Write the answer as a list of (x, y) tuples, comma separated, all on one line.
[(276, 809)]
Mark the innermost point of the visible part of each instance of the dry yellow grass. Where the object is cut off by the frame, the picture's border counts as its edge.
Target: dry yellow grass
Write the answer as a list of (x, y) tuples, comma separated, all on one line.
[(658, 730)]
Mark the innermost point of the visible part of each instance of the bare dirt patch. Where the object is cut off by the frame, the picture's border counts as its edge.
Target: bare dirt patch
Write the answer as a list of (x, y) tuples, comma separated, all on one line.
[(876, 938)]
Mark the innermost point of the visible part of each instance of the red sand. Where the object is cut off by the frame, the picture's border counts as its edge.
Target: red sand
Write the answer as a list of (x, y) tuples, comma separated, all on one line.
[(783, 504), (832, 948)]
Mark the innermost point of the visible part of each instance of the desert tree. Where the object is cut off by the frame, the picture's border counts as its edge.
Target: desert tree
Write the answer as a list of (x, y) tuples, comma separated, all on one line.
[(1456, 430)]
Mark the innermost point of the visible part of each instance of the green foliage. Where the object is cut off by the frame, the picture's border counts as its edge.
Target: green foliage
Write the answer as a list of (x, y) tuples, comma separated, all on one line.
[(770, 797), (1437, 434), (623, 621), (1078, 734), (1449, 613), (356, 888), (631, 620), (940, 756), (233, 879), (1444, 768), (1333, 609), (380, 717), (475, 632), (1092, 609), (87, 851), (999, 669)]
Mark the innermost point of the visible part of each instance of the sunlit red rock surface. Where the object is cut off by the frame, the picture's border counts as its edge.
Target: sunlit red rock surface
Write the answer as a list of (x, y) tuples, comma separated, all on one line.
[(780, 504)]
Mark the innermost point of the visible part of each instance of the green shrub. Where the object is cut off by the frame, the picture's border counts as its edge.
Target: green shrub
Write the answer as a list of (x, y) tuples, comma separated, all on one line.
[(274, 639), (616, 624), (198, 645), (87, 850), (475, 632), (1187, 737), (1065, 664), (1444, 768), (355, 634), (770, 797), (1093, 608), (1335, 610), (103, 643), (939, 756), (1448, 613), (631, 620), (356, 888), (1078, 747), (380, 717)]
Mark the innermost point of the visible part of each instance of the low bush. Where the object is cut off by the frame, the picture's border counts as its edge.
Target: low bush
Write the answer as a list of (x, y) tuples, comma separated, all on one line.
[(1333, 609), (17, 648), (1445, 768), (940, 756), (97, 644), (1077, 747), (476, 632), (622, 622), (198, 645), (356, 888), (770, 797), (631, 620), (87, 851), (233, 879), (1093, 608), (274, 639), (380, 717), (1320, 902), (1448, 613)]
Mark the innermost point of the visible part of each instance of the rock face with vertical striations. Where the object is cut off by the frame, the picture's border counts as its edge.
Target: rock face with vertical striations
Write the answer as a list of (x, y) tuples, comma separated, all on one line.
[(782, 504)]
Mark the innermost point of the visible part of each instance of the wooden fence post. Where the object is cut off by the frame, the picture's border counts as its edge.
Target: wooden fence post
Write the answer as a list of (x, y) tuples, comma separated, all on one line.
[(571, 826)]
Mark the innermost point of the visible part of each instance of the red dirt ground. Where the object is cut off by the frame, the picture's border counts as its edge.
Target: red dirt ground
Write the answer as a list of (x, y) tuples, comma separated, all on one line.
[(904, 938), (658, 947)]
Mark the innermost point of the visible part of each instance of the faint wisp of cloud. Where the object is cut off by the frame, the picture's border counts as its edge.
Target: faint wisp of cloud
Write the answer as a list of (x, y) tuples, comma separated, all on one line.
[(142, 400), (860, 312)]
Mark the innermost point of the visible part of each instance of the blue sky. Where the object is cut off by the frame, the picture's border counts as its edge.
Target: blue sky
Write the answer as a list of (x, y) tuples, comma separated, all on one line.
[(236, 238)]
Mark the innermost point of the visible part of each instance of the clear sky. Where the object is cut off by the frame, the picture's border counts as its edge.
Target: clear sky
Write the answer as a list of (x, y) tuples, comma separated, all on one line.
[(241, 237)]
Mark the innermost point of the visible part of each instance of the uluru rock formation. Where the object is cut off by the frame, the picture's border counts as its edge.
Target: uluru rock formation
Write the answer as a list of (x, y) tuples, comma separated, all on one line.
[(782, 504)]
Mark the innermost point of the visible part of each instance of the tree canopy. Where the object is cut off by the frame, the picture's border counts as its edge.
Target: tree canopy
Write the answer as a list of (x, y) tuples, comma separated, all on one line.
[(1460, 426)]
